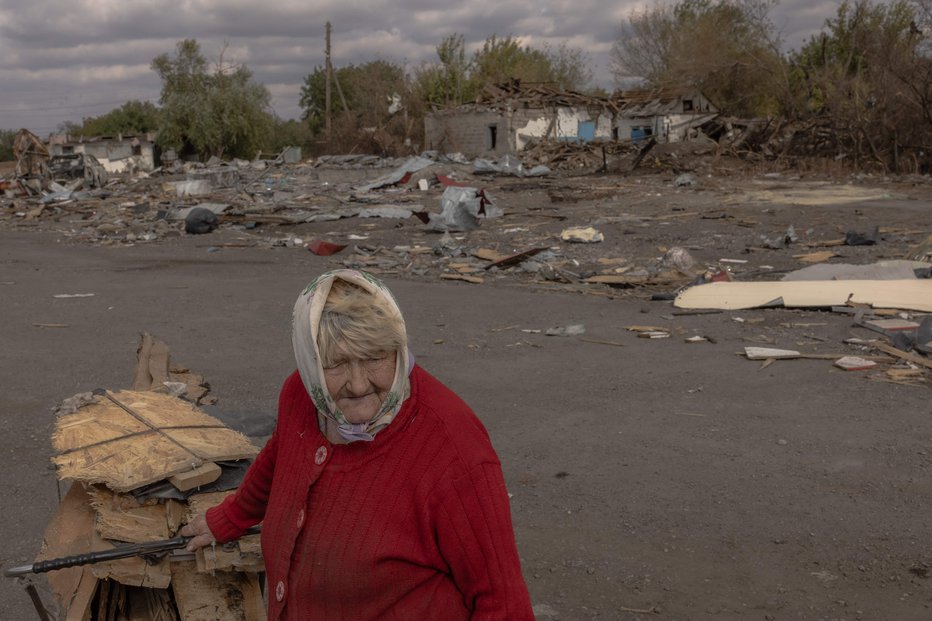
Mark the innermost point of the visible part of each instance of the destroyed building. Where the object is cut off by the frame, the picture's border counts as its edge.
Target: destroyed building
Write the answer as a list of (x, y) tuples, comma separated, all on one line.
[(665, 115), (510, 118), (117, 154)]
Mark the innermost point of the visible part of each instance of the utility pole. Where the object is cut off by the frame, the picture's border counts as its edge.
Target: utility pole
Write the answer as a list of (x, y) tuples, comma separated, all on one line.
[(328, 123)]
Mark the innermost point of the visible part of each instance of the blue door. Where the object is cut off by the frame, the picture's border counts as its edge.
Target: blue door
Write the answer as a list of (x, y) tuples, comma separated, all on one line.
[(638, 134), (585, 130)]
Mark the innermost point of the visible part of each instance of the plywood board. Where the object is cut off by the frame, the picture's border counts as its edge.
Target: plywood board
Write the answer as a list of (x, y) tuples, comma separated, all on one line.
[(130, 439), (121, 517), (904, 294), (206, 597)]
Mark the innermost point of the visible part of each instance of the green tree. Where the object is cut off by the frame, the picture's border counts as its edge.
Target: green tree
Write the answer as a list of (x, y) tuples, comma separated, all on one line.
[(133, 117), (455, 80), (6, 144), (868, 76), (290, 133), (446, 82), (727, 49), (210, 111), (366, 90), (372, 107), (504, 58)]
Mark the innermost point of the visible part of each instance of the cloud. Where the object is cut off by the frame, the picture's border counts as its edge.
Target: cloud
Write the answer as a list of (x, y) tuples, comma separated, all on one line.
[(67, 59)]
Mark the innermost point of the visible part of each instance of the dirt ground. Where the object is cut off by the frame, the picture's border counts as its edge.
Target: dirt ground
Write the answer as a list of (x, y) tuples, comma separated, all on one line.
[(650, 478)]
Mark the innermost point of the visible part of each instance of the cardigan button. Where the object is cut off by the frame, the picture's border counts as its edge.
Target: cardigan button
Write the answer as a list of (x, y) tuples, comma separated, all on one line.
[(321, 455), (300, 520), (280, 591)]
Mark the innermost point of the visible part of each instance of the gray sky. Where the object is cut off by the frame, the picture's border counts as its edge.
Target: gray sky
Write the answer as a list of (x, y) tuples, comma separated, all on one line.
[(62, 60)]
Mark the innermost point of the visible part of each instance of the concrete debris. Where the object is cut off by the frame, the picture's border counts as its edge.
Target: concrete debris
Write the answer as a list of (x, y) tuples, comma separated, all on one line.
[(508, 165), (686, 180)]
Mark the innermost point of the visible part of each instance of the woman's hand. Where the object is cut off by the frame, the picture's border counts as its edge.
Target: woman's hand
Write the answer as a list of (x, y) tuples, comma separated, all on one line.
[(200, 533)]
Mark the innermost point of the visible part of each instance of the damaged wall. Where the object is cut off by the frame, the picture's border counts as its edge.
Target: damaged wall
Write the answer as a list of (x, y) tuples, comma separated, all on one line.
[(565, 123), (490, 133), (668, 118), (473, 133), (116, 155)]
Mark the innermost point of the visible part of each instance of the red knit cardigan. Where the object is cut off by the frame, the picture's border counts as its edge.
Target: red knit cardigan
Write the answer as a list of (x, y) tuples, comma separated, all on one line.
[(412, 526)]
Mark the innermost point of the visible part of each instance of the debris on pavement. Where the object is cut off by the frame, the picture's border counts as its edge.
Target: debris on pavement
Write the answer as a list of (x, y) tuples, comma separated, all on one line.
[(582, 235), (903, 294), (854, 363), (569, 330), (114, 445), (324, 248), (462, 209)]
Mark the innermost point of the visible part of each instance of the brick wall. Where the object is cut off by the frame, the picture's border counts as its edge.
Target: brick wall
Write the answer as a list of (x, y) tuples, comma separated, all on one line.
[(468, 133)]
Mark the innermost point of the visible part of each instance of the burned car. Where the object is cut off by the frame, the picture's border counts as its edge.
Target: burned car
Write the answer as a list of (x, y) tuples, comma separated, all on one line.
[(77, 166)]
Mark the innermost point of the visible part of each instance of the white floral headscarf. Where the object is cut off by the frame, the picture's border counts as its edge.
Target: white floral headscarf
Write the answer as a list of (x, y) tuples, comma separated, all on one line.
[(305, 323)]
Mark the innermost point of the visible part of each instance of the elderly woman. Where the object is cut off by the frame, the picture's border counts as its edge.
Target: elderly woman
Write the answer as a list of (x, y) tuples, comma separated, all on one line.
[(379, 493)]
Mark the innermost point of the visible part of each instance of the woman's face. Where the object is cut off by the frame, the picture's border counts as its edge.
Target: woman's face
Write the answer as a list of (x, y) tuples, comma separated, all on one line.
[(359, 386)]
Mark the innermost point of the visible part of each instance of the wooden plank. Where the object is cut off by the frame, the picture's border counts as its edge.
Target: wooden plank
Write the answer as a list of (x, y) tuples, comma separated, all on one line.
[(816, 257), (245, 555), (152, 359), (487, 254), (79, 603), (202, 475), (473, 279), (133, 571), (71, 532), (889, 325), (905, 355), (224, 595), (663, 278), (768, 353), (903, 294)]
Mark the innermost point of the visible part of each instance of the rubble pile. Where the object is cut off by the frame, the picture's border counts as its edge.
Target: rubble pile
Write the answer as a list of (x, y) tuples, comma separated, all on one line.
[(142, 463)]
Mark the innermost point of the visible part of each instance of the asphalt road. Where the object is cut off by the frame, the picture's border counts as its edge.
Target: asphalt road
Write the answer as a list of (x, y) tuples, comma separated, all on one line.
[(654, 476)]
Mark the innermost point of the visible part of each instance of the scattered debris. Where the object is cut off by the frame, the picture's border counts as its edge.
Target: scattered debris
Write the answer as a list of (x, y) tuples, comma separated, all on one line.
[(854, 363), (686, 180), (462, 209), (903, 294), (117, 446), (324, 248), (473, 279), (200, 221), (582, 235), (853, 238), (766, 353), (570, 330)]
